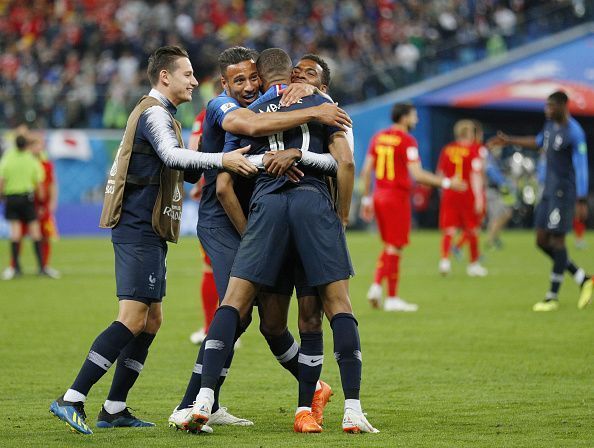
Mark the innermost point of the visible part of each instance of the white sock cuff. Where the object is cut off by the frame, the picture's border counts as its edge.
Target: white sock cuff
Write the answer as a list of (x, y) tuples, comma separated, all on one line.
[(355, 405), (579, 276), (301, 409), (318, 385), (113, 407), (205, 393), (74, 396)]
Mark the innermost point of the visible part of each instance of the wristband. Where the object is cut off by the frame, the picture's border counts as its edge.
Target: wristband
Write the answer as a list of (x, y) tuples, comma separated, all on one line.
[(366, 200), (446, 183)]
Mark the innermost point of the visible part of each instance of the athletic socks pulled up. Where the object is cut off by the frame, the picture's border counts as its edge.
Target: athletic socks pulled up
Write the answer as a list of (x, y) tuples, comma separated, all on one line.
[(219, 344), (347, 351), (311, 359), (286, 350), (105, 350), (130, 363)]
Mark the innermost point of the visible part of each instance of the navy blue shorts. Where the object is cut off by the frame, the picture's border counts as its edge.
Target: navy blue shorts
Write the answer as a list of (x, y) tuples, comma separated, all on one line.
[(292, 275), (221, 245), (299, 219), (140, 271), (555, 215)]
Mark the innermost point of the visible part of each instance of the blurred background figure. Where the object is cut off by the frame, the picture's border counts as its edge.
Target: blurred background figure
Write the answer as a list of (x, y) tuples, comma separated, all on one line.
[(46, 200), (462, 210), (500, 199), (21, 173)]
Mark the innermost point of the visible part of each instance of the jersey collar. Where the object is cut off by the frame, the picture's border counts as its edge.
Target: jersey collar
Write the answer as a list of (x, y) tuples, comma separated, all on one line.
[(163, 99)]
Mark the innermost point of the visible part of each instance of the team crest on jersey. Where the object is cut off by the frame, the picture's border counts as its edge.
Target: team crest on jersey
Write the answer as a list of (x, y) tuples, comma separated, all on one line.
[(558, 142), (176, 194), (227, 107), (152, 280)]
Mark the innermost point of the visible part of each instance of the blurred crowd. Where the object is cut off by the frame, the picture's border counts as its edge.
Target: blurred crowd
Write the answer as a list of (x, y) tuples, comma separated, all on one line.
[(69, 63)]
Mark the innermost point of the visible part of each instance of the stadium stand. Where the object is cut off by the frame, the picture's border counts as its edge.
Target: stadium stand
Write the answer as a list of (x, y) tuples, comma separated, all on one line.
[(78, 64)]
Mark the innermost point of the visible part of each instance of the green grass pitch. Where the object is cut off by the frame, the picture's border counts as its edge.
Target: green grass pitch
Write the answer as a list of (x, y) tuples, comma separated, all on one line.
[(475, 367)]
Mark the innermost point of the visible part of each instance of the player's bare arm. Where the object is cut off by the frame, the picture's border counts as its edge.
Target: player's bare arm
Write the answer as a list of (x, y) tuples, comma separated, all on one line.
[(345, 176), (228, 199), (243, 121), (425, 177), (236, 162), (366, 210), (503, 139)]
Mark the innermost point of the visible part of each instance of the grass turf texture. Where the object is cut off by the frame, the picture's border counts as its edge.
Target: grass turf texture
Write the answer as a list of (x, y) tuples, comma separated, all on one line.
[(474, 367)]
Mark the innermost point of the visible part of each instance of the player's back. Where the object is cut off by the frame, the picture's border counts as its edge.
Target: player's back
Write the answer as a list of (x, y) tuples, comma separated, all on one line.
[(392, 149), (312, 136), (458, 160)]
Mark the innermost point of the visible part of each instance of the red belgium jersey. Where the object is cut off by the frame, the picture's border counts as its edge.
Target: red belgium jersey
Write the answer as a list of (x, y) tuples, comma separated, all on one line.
[(392, 149), (459, 160)]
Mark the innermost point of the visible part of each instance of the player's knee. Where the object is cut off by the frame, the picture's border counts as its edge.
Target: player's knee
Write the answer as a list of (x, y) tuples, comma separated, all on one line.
[(153, 323), (135, 324), (272, 328), (310, 324)]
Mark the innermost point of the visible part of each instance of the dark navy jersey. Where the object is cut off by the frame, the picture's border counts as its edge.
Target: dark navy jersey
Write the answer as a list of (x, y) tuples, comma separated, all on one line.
[(566, 159), (312, 136), (211, 213), (135, 225)]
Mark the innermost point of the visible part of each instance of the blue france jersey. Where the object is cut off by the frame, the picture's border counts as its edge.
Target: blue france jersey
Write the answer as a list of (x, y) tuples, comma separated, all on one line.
[(312, 136), (566, 160), (211, 213)]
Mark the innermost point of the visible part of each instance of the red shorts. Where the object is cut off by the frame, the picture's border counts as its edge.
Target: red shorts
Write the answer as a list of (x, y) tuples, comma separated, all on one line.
[(458, 214), (393, 214)]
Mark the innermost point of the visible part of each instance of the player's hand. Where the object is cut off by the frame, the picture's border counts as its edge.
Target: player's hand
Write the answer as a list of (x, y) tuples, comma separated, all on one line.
[(294, 174), (581, 211), (294, 92), (332, 115), (235, 161), (276, 163), (366, 210), (458, 185), (479, 207), (500, 139)]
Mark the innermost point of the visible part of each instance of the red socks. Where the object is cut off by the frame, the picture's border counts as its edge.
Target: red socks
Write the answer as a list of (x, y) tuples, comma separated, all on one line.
[(210, 298)]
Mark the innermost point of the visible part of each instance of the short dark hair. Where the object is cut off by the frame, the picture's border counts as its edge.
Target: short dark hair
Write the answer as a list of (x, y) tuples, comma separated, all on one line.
[(21, 142), (163, 58), (274, 62), (235, 55), (325, 69), (559, 97), (400, 110)]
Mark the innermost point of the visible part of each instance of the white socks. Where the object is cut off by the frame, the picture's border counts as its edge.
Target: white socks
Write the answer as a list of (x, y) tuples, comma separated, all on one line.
[(355, 405), (206, 393), (113, 407), (301, 409), (74, 396), (579, 276), (318, 385)]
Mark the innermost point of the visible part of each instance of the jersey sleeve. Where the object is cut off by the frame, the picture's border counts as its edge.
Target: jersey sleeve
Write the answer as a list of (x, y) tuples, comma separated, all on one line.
[(232, 142), (412, 150), (156, 126), (219, 107), (540, 139), (580, 159)]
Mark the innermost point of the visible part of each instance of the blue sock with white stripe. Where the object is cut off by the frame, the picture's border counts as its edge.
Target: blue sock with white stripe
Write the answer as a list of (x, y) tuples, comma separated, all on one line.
[(104, 351), (347, 351), (559, 266), (311, 359), (285, 349), (129, 365)]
